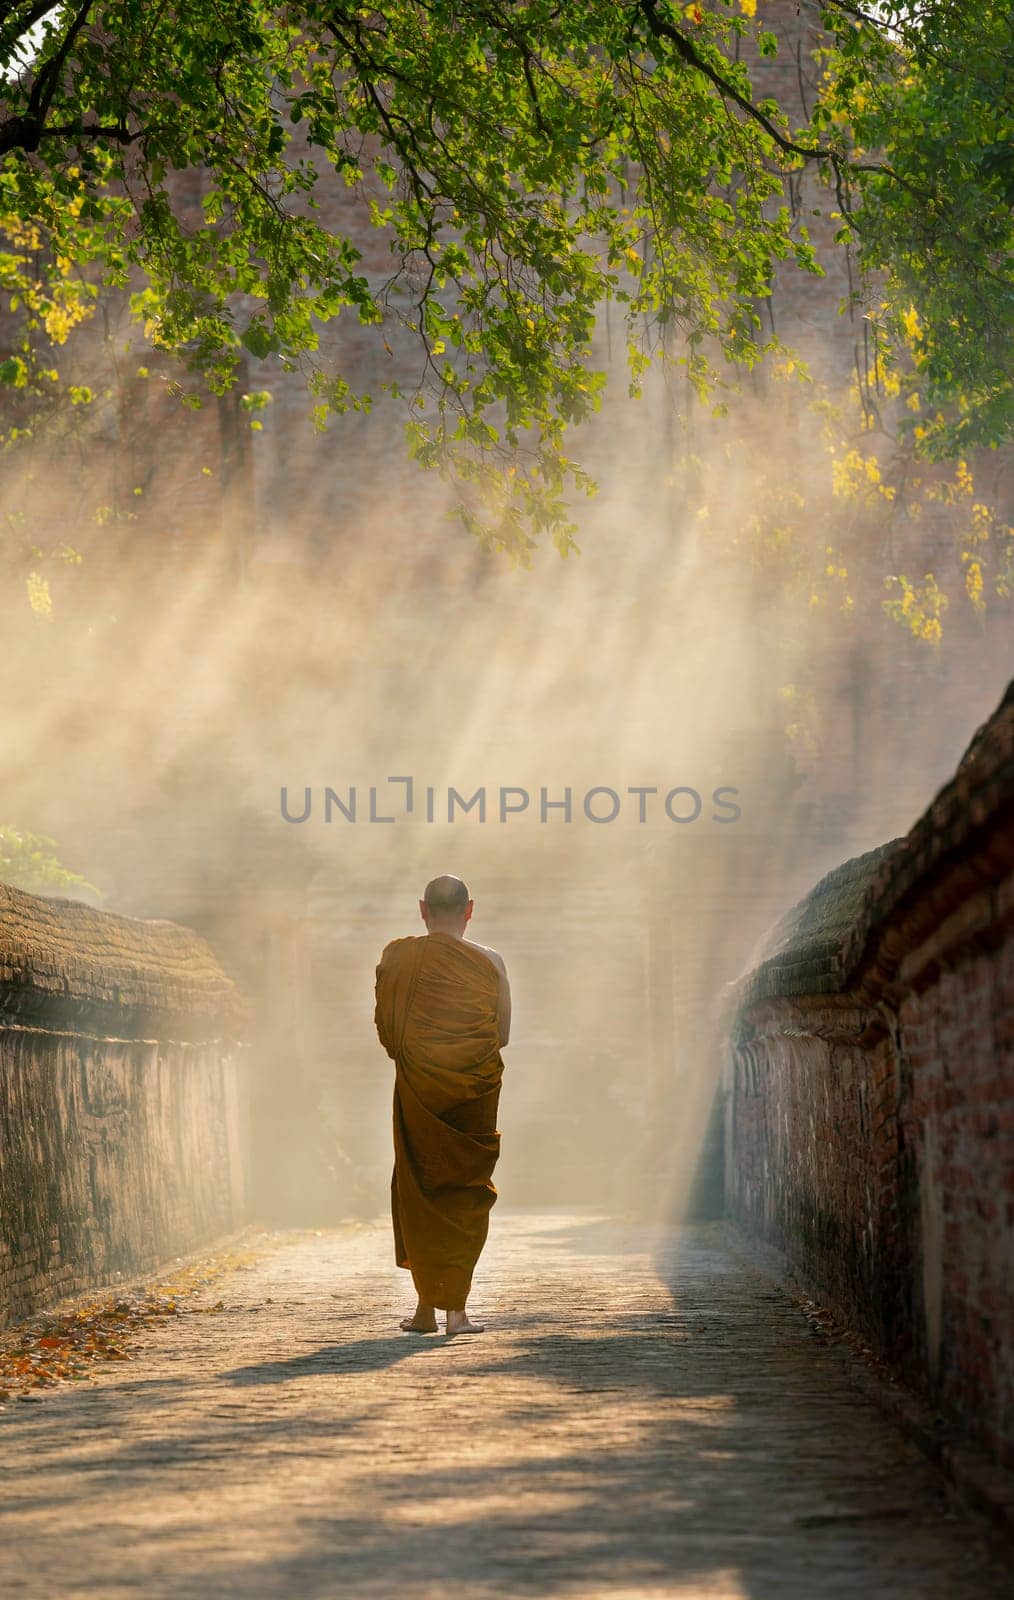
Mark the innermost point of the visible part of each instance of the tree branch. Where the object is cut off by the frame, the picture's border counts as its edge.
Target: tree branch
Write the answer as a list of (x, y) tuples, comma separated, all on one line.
[(690, 54), (94, 130), (17, 27), (840, 163), (24, 132)]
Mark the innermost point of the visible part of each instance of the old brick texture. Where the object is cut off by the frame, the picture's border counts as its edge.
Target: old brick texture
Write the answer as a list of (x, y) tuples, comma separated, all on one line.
[(121, 1098), (870, 1112)]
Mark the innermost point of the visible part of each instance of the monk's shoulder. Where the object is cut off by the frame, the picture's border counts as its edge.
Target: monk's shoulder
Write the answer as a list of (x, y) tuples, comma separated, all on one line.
[(493, 955), (396, 949)]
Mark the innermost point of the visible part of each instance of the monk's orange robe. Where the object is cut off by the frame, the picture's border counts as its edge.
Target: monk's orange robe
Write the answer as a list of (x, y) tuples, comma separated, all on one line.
[(436, 1017)]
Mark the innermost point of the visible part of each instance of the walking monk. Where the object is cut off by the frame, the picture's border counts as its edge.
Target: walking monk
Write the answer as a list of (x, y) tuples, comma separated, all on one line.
[(443, 1014)]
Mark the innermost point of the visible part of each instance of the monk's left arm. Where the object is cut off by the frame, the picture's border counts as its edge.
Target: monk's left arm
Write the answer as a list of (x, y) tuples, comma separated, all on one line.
[(503, 1005)]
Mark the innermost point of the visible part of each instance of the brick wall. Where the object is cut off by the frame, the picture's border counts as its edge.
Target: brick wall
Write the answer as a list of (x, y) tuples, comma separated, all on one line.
[(870, 1109), (121, 1098)]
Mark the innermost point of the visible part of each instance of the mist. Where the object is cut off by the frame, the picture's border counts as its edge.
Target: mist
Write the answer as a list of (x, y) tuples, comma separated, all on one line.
[(334, 629)]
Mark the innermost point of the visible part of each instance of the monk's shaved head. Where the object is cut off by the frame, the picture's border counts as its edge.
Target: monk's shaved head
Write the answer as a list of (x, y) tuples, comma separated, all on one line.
[(446, 896)]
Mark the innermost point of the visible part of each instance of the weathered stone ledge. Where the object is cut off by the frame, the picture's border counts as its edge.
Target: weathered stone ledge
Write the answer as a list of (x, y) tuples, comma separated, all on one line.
[(68, 967)]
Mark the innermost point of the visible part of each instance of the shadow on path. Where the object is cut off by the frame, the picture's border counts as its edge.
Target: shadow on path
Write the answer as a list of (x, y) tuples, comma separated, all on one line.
[(358, 1355)]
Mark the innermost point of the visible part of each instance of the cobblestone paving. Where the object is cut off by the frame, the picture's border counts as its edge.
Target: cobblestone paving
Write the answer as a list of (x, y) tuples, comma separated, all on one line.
[(645, 1417)]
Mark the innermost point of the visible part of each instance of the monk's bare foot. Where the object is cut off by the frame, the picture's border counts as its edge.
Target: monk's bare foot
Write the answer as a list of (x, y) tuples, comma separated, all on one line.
[(457, 1322), (424, 1320)]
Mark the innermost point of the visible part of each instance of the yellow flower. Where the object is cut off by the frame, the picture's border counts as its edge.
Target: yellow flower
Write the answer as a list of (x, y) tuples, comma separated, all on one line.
[(39, 597), (910, 323)]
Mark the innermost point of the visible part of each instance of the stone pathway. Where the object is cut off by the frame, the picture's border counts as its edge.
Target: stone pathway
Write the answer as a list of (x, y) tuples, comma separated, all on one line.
[(645, 1417)]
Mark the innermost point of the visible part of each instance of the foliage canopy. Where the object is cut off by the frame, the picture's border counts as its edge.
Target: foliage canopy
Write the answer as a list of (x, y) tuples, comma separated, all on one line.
[(525, 163)]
